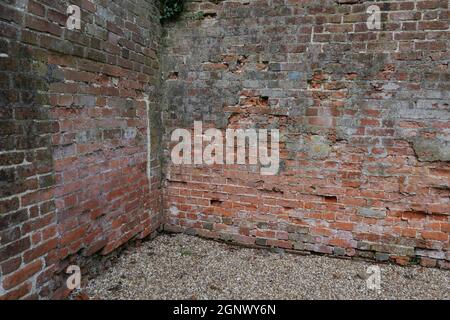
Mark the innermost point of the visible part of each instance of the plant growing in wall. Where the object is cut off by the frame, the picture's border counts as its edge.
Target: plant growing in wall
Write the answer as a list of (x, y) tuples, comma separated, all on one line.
[(170, 9)]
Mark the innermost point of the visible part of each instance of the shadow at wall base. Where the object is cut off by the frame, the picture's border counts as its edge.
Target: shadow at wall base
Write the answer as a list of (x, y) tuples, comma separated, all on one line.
[(339, 253), (95, 264)]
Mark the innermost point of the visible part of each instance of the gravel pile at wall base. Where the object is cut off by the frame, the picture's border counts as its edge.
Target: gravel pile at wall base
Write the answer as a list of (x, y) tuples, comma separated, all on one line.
[(185, 267)]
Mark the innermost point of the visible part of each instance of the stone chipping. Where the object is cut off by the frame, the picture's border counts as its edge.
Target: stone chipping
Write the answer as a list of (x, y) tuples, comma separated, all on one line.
[(185, 267)]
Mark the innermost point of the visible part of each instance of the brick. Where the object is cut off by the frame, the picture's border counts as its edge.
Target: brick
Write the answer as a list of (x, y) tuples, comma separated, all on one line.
[(380, 256), (57, 17), (14, 248), (9, 205), (11, 265), (427, 262), (18, 293), (433, 235), (433, 25), (73, 235), (431, 4), (36, 8), (40, 250), (22, 275), (10, 14), (372, 213), (42, 25)]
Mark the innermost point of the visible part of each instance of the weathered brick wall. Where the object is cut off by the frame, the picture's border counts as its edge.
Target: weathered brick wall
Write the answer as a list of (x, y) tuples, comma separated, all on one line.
[(363, 115), (79, 134), (364, 118)]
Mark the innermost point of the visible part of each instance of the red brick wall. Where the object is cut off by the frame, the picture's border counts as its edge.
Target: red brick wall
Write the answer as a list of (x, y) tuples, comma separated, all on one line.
[(364, 120), (77, 110), (363, 115)]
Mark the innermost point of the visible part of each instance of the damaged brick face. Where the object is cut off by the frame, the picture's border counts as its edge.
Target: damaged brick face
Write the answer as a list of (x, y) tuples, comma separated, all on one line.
[(85, 126), (364, 120)]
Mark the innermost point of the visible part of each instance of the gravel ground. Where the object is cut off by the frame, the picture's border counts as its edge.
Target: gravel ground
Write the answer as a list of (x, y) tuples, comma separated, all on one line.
[(185, 267)]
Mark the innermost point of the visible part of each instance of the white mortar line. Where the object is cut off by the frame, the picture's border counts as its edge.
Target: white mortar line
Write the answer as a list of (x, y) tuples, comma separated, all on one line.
[(149, 166)]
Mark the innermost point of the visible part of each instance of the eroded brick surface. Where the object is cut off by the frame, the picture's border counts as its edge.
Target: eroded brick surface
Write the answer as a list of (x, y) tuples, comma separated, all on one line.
[(364, 119)]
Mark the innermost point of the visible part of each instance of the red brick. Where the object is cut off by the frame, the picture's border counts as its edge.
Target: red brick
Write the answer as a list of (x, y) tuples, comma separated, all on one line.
[(40, 250), (18, 293), (22, 275), (36, 8), (42, 25), (433, 235)]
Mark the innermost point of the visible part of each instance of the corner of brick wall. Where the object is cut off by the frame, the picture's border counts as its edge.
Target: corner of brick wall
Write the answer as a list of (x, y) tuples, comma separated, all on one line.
[(364, 118)]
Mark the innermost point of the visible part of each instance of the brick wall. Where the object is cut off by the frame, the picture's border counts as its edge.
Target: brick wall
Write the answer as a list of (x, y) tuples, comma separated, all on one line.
[(79, 162), (363, 115), (85, 125)]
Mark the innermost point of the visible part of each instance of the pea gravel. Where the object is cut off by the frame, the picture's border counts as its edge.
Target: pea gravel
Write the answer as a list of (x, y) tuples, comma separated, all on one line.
[(186, 267)]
